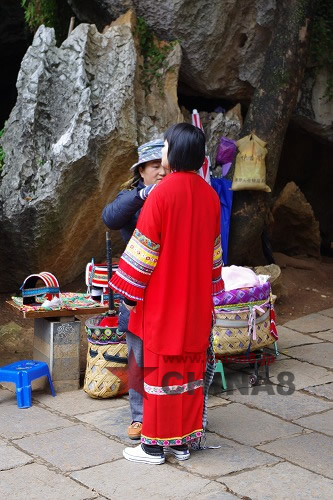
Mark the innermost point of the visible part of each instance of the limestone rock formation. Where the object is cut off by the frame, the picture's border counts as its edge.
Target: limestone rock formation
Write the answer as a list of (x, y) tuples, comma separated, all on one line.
[(220, 57), (99, 12), (295, 231), (69, 142), (224, 43), (314, 112)]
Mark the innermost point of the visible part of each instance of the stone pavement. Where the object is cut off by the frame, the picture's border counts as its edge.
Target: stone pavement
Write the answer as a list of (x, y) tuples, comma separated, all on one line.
[(276, 440)]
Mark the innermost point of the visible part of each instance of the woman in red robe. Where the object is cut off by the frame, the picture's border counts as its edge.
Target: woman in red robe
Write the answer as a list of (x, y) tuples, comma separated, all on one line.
[(168, 274)]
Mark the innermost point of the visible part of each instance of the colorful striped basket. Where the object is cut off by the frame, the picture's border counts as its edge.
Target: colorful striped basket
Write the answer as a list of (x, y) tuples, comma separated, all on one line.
[(245, 320), (103, 335), (106, 371), (97, 280), (49, 287)]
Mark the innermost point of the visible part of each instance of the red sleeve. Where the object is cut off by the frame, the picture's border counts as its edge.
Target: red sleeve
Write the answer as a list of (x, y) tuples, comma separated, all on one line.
[(141, 254)]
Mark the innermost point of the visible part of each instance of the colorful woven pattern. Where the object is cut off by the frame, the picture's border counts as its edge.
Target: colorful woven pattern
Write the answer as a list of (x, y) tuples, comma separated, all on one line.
[(103, 335), (136, 266), (233, 331), (97, 274), (218, 284), (173, 389), (172, 441), (243, 295), (141, 253), (30, 291), (69, 300)]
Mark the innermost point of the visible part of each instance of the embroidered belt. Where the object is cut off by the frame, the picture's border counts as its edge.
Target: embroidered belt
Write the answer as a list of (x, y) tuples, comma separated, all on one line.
[(168, 390)]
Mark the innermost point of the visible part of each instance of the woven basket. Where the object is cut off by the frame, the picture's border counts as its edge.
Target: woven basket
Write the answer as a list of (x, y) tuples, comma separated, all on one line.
[(106, 372), (232, 333)]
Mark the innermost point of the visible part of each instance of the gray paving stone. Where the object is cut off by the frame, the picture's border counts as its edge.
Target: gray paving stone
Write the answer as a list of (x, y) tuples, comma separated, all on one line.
[(296, 374), (289, 407), (327, 312), (114, 423), (7, 397), (231, 457), (247, 425), (325, 390), (217, 496), (125, 480), (10, 457), (77, 402), (283, 481), (216, 401), (36, 482), (319, 354), (328, 336), (311, 323), (322, 422), (312, 451), (283, 354), (289, 338), (16, 422), (72, 448), (236, 379)]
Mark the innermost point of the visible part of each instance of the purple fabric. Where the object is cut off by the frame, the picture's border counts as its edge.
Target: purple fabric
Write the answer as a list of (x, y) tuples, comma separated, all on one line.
[(243, 295), (226, 151), (226, 168)]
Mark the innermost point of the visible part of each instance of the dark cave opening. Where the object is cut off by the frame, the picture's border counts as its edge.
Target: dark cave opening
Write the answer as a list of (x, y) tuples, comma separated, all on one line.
[(306, 159), (14, 42), (208, 104)]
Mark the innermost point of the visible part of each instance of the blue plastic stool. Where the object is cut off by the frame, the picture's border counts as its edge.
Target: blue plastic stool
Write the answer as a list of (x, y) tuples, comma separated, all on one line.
[(22, 373)]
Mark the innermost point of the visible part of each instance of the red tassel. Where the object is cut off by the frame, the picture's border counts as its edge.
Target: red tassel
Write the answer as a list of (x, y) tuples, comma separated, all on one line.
[(273, 329)]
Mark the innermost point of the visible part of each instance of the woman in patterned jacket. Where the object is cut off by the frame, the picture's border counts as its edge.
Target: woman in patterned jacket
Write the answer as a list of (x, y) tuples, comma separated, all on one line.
[(123, 214)]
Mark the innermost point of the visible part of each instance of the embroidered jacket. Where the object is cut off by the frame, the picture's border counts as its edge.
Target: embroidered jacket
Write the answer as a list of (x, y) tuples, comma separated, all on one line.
[(172, 265)]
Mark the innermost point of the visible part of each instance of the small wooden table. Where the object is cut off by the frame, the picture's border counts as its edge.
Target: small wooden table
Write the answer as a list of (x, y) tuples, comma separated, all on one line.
[(57, 313), (57, 341)]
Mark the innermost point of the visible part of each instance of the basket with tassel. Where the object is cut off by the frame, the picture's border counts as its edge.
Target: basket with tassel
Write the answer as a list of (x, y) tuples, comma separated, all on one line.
[(244, 327), (106, 371)]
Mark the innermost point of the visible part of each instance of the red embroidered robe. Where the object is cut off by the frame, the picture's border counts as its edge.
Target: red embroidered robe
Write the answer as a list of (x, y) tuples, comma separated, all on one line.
[(172, 267)]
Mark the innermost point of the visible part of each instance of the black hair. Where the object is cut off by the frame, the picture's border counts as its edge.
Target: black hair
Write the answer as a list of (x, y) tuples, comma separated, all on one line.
[(186, 147)]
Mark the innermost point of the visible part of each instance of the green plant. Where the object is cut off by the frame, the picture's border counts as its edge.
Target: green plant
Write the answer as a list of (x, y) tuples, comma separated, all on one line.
[(322, 41), (2, 153), (52, 13), (37, 12), (154, 53)]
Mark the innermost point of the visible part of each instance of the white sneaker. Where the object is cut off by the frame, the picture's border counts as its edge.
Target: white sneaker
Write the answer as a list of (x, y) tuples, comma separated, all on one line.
[(178, 454), (139, 455)]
